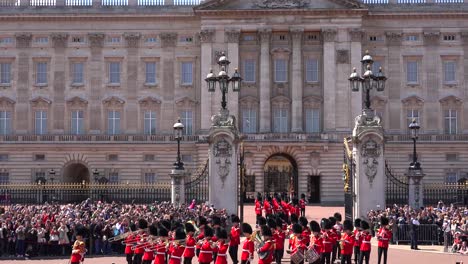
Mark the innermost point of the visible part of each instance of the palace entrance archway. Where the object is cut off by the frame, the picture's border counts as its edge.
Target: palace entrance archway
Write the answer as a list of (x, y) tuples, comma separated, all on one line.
[(76, 173), (280, 175), (78, 176)]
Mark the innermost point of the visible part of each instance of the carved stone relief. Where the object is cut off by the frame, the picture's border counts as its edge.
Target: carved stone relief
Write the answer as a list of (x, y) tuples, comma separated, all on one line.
[(96, 40), (282, 3), (132, 39), (222, 151), (265, 34), (232, 35), (431, 37), (356, 35), (370, 151), (329, 35), (393, 38), (168, 39), (60, 40), (206, 35), (23, 40)]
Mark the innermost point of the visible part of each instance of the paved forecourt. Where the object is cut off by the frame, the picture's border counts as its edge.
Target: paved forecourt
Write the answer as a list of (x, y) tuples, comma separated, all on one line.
[(397, 254)]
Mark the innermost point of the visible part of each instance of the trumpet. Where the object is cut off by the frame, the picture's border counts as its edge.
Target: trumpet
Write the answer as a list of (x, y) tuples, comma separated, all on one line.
[(134, 240), (145, 242), (125, 235)]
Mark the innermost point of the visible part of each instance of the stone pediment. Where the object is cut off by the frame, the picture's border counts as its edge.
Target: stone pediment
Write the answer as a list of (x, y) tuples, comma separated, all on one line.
[(185, 101), (113, 101), (280, 100), (312, 101), (451, 100), (40, 101), (77, 101), (149, 101), (6, 101), (279, 4), (412, 100)]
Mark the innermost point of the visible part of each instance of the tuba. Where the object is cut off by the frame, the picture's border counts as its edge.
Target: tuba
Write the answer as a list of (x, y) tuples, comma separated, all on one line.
[(259, 243)]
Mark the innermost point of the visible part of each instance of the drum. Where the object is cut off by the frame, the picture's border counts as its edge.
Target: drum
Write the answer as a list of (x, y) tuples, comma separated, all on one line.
[(311, 255), (297, 257)]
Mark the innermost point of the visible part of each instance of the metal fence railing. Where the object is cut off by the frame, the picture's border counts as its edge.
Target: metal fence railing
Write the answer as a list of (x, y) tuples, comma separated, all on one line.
[(427, 234)]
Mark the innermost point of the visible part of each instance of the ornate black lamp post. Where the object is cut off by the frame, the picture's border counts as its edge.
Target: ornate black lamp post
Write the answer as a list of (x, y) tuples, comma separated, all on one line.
[(369, 80), (96, 175), (178, 129), (223, 79), (414, 128)]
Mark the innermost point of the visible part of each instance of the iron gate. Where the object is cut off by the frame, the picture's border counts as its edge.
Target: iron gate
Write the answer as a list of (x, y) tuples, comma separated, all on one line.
[(198, 187), (396, 189), (348, 177)]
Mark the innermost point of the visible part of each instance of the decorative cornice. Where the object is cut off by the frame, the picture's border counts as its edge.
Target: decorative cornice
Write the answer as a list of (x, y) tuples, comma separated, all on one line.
[(149, 101), (264, 34), (431, 37), (233, 35), (6, 102), (393, 38), (77, 101), (23, 40), (412, 100), (296, 33), (185, 101), (60, 40), (40, 101), (132, 38), (329, 35), (168, 39), (280, 50), (356, 34), (113, 101), (206, 35), (96, 39), (281, 4), (451, 100)]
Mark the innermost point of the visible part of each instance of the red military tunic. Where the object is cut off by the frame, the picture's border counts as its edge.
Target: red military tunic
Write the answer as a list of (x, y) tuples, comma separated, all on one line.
[(347, 242), (285, 207), (76, 255), (297, 243), (176, 252), (268, 247), (247, 249), (357, 238), (302, 203), (206, 252), (189, 247), (306, 235), (258, 207), (279, 236), (221, 258), (317, 243), (276, 206), (235, 236), (160, 253), (148, 255), (129, 244), (267, 207), (200, 237), (365, 241), (384, 235), (140, 249), (328, 242)]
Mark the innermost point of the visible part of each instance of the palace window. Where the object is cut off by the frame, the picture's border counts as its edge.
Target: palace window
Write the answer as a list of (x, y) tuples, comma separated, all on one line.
[(151, 40), (78, 39), (412, 72), (248, 37), (249, 71), (41, 73), (4, 177), (312, 71), (41, 40), (5, 73), (150, 72), (280, 120), (451, 120), (113, 122), (77, 72), (150, 123), (39, 157), (150, 177), (77, 122), (149, 157), (451, 157), (249, 121), (114, 72), (376, 67), (40, 124), (113, 177), (4, 157), (112, 157), (5, 122), (450, 69), (113, 39), (186, 70), (412, 114), (451, 177), (312, 118), (449, 37), (411, 38), (281, 70), (6, 40), (186, 117), (186, 39)]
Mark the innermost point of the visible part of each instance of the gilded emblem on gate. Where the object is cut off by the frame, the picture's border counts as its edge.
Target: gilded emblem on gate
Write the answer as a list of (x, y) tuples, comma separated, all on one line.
[(222, 148)]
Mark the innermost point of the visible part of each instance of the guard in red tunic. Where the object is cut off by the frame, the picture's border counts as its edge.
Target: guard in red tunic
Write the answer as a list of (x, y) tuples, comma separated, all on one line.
[(302, 204), (305, 230), (268, 248), (207, 247), (337, 228), (357, 239), (222, 245), (336, 238), (365, 243), (347, 242), (316, 241), (148, 256), (248, 246), (79, 247), (279, 236), (267, 206), (201, 225), (177, 247), (142, 225), (296, 242), (384, 235), (129, 244), (161, 247), (328, 240), (235, 238), (277, 204), (258, 205), (190, 243)]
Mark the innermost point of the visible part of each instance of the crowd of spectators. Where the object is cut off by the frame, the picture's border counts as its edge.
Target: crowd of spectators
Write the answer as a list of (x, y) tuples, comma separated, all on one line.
[(447, 225), (28, 231)]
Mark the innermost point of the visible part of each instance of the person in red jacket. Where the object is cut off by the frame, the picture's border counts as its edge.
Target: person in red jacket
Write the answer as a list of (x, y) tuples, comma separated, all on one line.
[(316, 240), (357, 239), (79, 247), (258, 205), (279, 236), (305, 230), (328, 240), (190, 243), (148, 256), (268, 248), (296, 242), (235, 239), (302, 204), (129, 244), (248, 246), (267, 206), (384, 235), (365, 242), (142, 225), (337, 228), (207, 247), (176, 249), (222, 245), (347, 242), (201, 225), (160, 248)]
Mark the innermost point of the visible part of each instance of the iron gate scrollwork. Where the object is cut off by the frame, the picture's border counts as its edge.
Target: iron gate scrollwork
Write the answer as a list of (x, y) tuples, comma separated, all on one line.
[(198, 186), (348, 178), (396, 189)]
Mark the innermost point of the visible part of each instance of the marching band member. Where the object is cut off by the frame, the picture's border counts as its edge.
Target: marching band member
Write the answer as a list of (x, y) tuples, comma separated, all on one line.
[(248, 246), (316, 240), (267, 206), (365, 242), (305, 230), (235, 238), (258, 205), (148, 256), (296, 241), (129, 244), (215, 224), (160, 248), (337, 228), (207, 246), (327, 239), (223, 246), (269, 246), (79, 247), (276, 204), (357, 239), (347, 242), (302, 204), (294, 220), (142, 224), (384, 235), (177, 247), (336, 238), (279, 236), (285, 207), (190, 243), (201, 225)]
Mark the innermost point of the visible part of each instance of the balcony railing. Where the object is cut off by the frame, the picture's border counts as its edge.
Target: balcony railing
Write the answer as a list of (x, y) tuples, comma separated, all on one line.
[(405, 2), (97, 3)]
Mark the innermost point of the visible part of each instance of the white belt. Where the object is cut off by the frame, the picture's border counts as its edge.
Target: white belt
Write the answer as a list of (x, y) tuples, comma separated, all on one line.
[(206, 252), (245, 250), (383, 238), (160, 253), (326, 242), (189, 247), (221, 255), (368, 242), (175, 257)]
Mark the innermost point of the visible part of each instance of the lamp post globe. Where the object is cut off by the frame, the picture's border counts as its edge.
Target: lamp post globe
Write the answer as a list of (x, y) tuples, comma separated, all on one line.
[(414, 129), (178, 131)]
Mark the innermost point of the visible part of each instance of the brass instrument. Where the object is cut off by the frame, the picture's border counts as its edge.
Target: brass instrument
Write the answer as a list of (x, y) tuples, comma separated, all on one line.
[(146, 241), (259, 243), (342, 242), (125, 235)]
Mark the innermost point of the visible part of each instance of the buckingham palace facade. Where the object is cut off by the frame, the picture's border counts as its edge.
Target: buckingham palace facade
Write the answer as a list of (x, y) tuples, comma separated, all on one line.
[(91, 87)]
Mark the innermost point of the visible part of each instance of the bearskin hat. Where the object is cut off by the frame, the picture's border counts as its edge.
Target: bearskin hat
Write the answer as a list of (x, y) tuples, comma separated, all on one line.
[(384, 221), (166, 224), (259, 196), (271, 223), (142, 223), (269, 198), (235, 219), (314, 226), (332, 220), (261, 221), (357, 222), (208, 231), (175, 225), (297, 228), (162, 231), (189, 227), (180, 234), (221, 233), (215, 220), (278, 198), (80, 230), (364, 225), (246, 228), (325, 223), (294, 218), (303, 221), (295, 201), (303, 196), (153, 230), (201, 221), (337, 217), (132, 227), (266, 231), (348, 225)]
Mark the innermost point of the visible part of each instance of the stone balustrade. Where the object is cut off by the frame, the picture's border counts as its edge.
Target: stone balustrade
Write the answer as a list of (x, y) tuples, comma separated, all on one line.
[(97, 3), (385, 2)]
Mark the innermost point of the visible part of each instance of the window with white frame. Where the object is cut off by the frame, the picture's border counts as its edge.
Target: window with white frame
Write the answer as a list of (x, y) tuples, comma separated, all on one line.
[(6, 40), (77, 122), (249, 71), (450, 70), (412, 72), (151, 39), (78, 39), (312, 120), (41, 40), (376, 67), (186, 73), (451, 177), (41, 73), (5, 73), (451, 120), (113, 39), (281, 70), (77, 72), (40, 124), (186, 118), (150, 177), (4, 177), (312, 71), (114, 72), (280, 120), (412, 114), (150, 72), (113, 177), (5, 122), (113, 122), (150, 123), (411, 38), (249, 120)]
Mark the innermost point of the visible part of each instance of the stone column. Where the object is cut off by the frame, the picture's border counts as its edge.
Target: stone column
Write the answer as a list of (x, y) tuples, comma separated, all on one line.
[(232, 36), (356, 56), (464, 36), (96, 41), (265, 81), (58, 107), (297, 80), (206, 39), (168, 43), (133, 41), (23, 44), (177, 187), (395, 81), (430, 64), (329, 73), (415, 188), (368, 153)]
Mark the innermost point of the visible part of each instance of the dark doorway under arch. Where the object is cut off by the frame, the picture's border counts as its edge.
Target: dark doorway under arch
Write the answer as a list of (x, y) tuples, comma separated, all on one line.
[(280, 175), (76, 173)]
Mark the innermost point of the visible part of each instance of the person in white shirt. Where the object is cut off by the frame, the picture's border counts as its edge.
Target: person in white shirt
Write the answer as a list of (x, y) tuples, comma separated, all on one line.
[(414, 227)]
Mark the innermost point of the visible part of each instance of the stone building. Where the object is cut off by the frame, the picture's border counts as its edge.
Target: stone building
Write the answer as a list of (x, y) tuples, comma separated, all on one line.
[(92, 88)]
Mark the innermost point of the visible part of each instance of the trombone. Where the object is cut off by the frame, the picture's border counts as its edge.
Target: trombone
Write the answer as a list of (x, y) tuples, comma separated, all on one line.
[(125, 235)]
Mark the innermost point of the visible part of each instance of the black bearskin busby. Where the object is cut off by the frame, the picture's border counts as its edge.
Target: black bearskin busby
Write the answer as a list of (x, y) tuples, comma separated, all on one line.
[(364, 225), (278, 198), (235, 219), (163, 228), (357, 222), (189, 227), (259, 197), (175, 225), (294, 218), (208, 231), (153, 230), (332, 220), (266, 231), (180, 234), (201, 221), (383, 221), (302, 196), (142, 223), (215, 221), (80, 230), (297, 228), (348, 225), (271, 223), (132, 227), (314, 226), (337, 217), (269, 199), (261, 221), (221, 233), (246, 228), (295, 201), (325, 223), (303, 221)]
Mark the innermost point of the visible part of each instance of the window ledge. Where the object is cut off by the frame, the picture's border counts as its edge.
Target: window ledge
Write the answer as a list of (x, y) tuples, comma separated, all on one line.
[(313, 83), (412, 84), (187, 85), (451, 84), (77, 85), (5, 85), (114, 85), (151, 85), (41, 85)]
